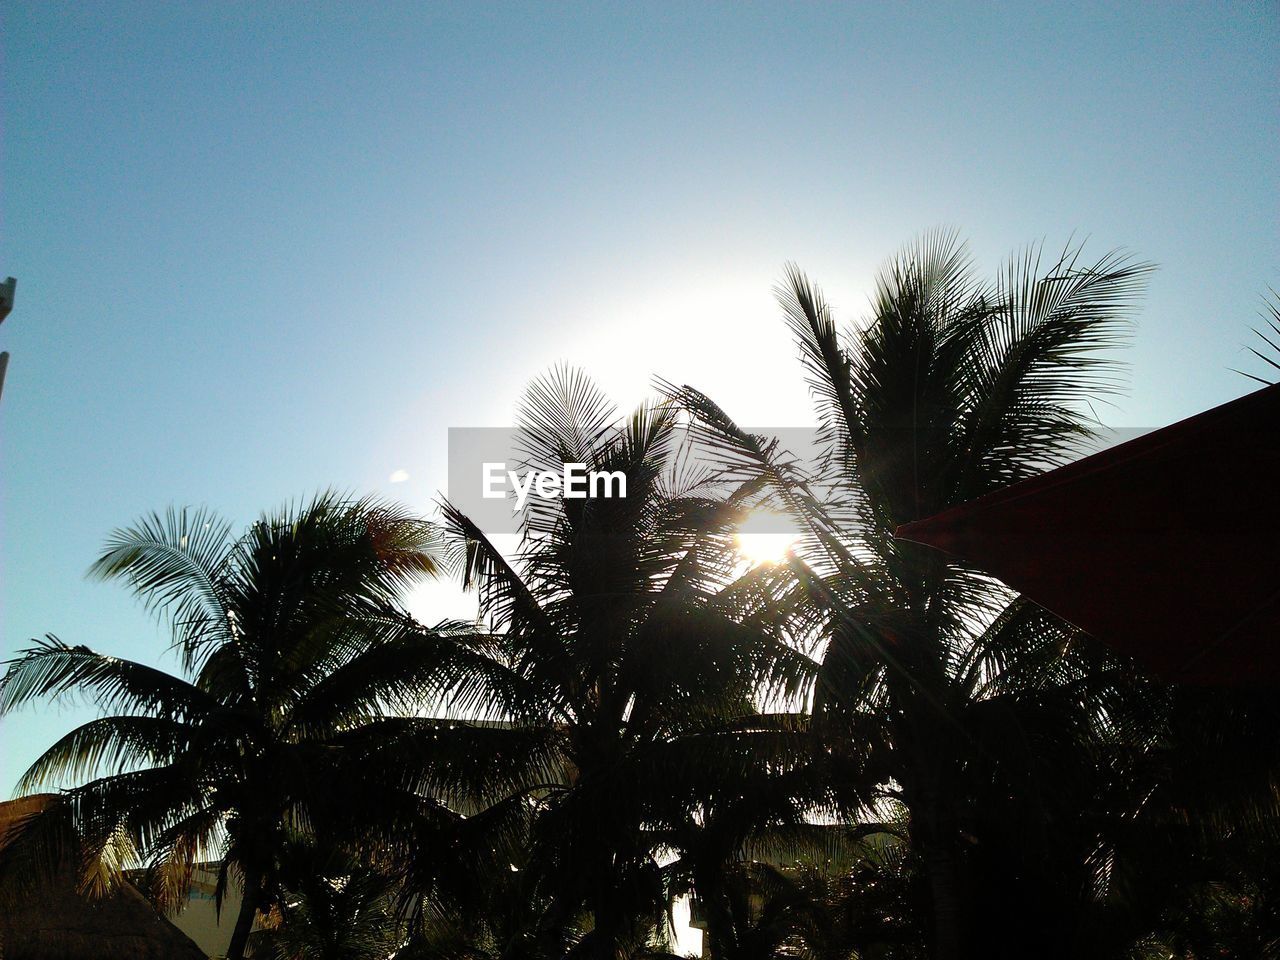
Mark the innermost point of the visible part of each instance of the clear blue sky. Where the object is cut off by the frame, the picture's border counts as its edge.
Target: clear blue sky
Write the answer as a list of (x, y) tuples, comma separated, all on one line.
[(264, 249)]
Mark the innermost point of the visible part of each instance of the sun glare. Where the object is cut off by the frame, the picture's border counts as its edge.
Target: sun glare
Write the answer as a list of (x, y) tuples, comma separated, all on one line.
[(760, 540)]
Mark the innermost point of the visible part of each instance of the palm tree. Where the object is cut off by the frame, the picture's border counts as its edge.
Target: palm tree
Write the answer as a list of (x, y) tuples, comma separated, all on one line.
[(812, 912), (961, 693), (627, 655), (291, 641), (820, 891), (1192, 865), (333, 908)]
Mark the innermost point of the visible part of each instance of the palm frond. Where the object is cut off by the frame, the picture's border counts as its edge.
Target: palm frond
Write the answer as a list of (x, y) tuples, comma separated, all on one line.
[(107, 745), (1042, 352), (175, 564), (53, 668), (563, 417), (1270, 338)]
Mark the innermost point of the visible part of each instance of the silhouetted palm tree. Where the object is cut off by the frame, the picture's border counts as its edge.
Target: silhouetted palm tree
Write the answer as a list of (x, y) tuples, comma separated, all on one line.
[(836, 893), (818, 912), (951, 389), (613, 730), (330, 907), (635, 654), (292, 639), (1191, 864)]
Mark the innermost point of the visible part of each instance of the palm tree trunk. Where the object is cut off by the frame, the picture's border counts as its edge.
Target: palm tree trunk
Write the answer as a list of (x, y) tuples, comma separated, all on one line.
[(937, 835), (244, 919), (604, 916), (718, 934), (944, 886)]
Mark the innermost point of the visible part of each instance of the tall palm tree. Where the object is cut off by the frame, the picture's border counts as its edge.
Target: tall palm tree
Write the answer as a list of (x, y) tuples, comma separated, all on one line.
[(291, 640), (953, 387), (632, 655)]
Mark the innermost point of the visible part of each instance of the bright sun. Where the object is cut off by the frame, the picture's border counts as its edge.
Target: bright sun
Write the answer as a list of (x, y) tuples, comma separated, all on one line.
[(760, 540), (760, 548)]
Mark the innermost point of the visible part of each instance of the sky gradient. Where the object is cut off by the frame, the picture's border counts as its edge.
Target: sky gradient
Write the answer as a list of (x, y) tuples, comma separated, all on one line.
[(267, 249)]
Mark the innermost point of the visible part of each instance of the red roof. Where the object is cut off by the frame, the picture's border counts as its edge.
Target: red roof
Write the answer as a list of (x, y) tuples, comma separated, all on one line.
[(1166, 547)]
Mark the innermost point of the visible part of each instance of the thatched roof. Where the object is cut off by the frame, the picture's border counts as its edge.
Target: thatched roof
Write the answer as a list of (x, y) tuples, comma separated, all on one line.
[(44, 917)]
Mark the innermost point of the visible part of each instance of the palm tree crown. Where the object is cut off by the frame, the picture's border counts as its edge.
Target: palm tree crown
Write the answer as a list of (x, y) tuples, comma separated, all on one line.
[(628, 655), (290, 636), (952, 388)]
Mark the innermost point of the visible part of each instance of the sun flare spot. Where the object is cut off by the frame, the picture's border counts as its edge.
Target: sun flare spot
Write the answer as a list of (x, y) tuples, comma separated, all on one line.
[(765, 539)]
